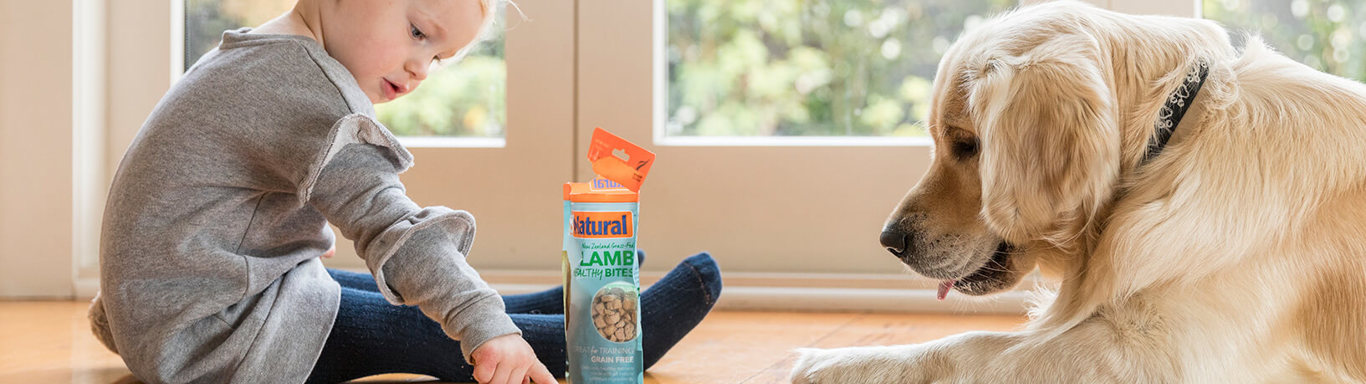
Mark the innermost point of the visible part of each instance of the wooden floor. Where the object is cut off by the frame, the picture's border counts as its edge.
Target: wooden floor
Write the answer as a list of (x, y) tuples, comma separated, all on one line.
[(50, 342)]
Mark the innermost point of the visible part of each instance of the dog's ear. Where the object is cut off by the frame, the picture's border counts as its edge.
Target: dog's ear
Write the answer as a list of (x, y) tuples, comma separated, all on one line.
[(1050, 144)]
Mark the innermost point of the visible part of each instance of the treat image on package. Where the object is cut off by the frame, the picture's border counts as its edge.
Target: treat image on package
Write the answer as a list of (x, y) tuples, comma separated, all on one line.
[(614, 312), (601, 270)]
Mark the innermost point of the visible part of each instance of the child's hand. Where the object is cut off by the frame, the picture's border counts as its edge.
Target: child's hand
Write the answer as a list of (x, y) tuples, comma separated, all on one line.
[(508, 359)]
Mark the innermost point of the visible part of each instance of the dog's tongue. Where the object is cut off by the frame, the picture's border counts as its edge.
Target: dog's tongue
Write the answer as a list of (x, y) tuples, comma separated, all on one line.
[(944, 288)]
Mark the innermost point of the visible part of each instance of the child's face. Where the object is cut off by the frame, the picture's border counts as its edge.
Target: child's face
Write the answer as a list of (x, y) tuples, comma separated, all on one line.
[(388, 45)]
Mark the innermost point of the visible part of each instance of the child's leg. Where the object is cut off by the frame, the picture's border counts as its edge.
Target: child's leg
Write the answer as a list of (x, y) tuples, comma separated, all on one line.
[(371, 336), (550, 301)]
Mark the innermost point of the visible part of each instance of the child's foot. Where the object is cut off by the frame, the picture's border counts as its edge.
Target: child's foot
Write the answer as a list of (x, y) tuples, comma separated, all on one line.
[(677, 303)]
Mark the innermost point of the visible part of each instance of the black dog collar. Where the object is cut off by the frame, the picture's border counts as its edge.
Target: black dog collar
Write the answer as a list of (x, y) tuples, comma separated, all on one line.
[(1177, 103)]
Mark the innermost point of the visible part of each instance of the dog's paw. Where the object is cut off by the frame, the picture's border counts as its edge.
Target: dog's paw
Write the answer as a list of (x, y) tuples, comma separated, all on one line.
[(857, 365), (814, 367)]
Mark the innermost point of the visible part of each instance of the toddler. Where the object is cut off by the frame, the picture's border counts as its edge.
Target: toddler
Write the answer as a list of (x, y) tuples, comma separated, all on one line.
[(218, 214)]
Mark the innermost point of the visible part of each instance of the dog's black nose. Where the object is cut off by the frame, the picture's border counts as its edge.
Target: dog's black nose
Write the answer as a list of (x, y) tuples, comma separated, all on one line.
[(895, 241)]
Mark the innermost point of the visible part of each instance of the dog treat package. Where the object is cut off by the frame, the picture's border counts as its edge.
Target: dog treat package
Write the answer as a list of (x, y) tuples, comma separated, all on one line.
[(601, 272)]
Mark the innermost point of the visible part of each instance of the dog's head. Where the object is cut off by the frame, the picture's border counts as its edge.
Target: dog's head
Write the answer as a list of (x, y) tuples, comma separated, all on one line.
[(1026, 151)]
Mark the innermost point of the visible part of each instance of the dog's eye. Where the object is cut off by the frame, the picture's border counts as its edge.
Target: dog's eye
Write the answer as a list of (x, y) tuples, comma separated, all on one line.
[(965, 148)]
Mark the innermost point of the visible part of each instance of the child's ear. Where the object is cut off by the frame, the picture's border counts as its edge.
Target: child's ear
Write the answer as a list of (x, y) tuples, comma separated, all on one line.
[(1050, 143)]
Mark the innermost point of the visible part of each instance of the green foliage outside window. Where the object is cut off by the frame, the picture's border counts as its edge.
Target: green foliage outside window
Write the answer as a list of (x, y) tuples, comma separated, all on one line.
[(808, 67), (1329, 35)]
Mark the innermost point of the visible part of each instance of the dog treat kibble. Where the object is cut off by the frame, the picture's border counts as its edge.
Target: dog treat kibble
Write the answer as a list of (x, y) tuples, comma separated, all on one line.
[(614, 312)]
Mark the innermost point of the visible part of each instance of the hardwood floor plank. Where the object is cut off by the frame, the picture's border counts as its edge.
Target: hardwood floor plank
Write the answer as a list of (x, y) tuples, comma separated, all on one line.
[(50, 342), (730, 347)]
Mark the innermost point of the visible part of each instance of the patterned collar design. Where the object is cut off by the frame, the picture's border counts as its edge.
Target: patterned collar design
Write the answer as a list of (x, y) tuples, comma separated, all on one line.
[(1175, 108)]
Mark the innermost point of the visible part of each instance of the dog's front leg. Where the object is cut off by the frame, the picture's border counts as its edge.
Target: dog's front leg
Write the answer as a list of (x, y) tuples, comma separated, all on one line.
[(1089, 353), (948, 360)]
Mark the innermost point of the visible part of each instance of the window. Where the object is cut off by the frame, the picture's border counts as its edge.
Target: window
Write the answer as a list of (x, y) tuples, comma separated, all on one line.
[(464, 99), (808, 68), (1328, 35)]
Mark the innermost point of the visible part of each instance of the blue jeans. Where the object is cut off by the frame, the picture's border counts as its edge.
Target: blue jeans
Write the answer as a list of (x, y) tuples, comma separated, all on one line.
[(371, 336)]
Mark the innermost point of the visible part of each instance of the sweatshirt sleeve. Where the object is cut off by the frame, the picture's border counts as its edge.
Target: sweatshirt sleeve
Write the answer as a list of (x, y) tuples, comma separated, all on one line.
[(417, 254)]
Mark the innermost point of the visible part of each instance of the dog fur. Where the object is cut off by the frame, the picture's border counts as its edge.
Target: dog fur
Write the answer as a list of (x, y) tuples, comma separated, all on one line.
[(1237, 255)]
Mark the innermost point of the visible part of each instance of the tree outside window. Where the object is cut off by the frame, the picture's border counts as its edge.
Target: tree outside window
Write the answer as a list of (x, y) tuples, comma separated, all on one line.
[(808, 67)]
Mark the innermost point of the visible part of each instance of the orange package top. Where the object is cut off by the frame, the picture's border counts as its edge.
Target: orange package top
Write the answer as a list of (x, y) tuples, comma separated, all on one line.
[(619, 160), (599, 190)]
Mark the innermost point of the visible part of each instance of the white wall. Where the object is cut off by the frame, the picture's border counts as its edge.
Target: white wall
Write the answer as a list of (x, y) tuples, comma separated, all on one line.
[(36, 143)]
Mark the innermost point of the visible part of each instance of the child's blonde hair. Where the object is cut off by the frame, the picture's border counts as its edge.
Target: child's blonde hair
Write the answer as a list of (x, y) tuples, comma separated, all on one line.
[(489, 9)]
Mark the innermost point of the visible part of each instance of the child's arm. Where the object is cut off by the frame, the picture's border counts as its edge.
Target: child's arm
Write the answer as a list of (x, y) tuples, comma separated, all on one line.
[(416, 254)]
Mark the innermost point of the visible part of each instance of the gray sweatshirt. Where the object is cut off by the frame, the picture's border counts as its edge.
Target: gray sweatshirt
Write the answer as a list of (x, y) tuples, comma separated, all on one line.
[(209, 267)]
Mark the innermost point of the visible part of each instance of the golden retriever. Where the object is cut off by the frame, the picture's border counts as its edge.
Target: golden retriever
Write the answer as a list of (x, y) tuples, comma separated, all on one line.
[(1236, 254)]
